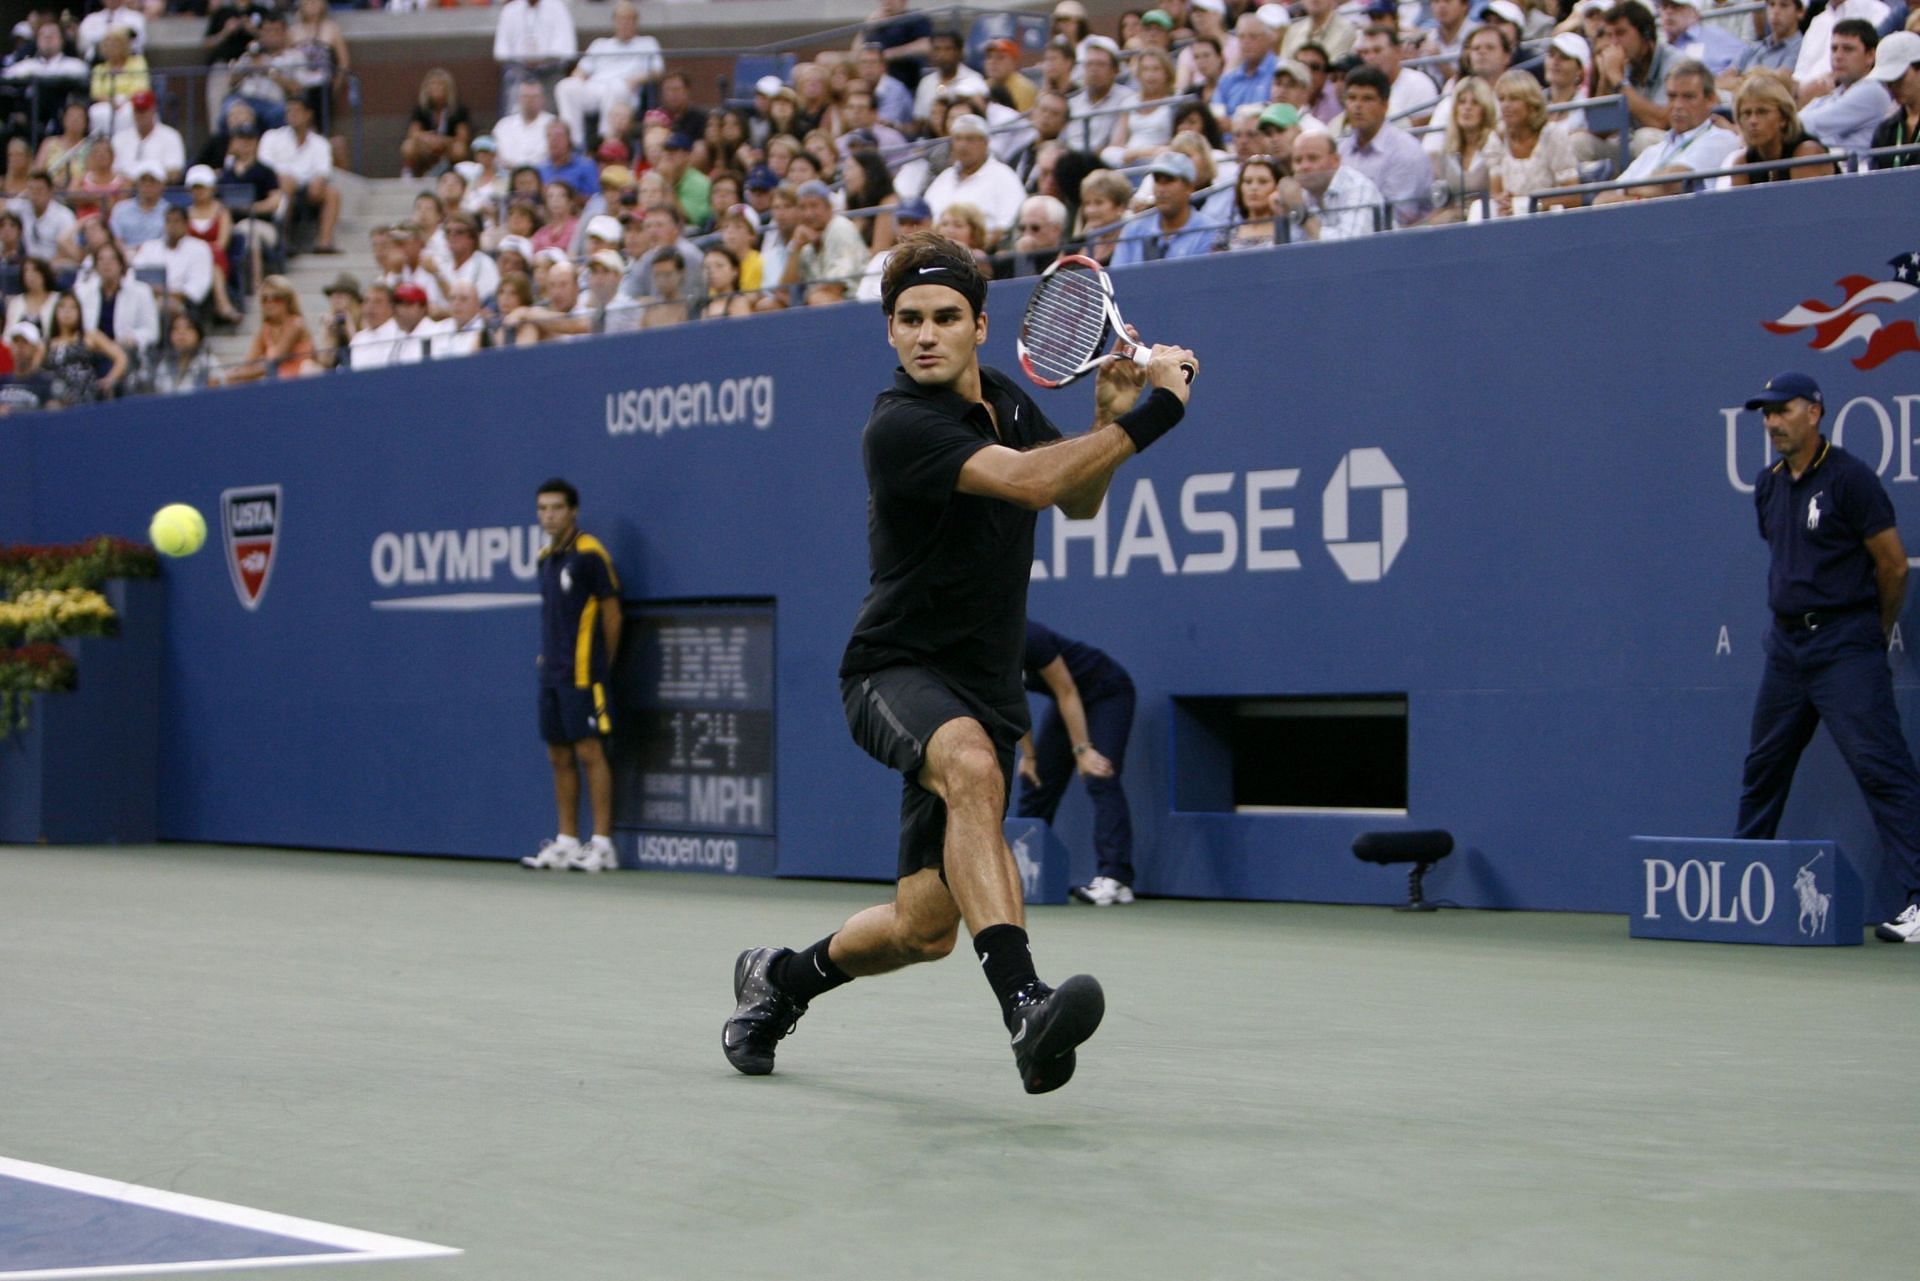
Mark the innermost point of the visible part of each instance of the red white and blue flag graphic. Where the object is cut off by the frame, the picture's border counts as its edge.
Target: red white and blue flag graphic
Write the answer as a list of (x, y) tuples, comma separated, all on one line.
[(1836, 326)]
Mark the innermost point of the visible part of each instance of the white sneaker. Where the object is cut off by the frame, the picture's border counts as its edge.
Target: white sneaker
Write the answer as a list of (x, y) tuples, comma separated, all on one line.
[(596, 855), (553, 854), (1904, 928), (1103, 891)]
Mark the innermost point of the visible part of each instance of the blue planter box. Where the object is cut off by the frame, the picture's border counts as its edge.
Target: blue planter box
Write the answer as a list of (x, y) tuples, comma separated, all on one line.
[(85, 770)]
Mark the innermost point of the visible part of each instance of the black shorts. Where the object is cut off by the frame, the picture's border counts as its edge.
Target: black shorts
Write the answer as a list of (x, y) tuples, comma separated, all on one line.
[(893, 714), (569, 713)]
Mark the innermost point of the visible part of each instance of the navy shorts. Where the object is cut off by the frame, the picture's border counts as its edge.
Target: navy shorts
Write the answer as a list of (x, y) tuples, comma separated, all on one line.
[(569, 714), (893, 714)]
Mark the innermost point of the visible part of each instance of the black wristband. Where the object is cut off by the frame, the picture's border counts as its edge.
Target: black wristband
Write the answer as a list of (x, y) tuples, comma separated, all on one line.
[(1152, 418)]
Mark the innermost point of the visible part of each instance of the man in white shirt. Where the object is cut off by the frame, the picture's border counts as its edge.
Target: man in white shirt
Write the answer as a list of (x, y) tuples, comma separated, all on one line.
[(534, 31), (613, 69), (1413, 90), (977, 178), (304, 161), (413, 332), (945, 71), (468, 266), (1845, 117), (1101, 97), (466, 327), (117, 13), (521, 138), (1816, 46), (148, 141), (187, 261), (44, 221), (1692, 143), (49, 60), (372, 347)]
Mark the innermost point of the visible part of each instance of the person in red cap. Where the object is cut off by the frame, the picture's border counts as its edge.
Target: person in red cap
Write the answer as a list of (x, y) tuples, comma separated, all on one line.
[(1003, 75), (149, 141)]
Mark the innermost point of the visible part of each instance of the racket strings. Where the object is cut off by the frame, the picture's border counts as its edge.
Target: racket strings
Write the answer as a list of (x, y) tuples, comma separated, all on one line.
[(1066, 323)]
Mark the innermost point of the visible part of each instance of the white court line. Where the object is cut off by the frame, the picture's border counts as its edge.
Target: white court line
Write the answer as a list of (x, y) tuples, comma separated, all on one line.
[(365, 1247)]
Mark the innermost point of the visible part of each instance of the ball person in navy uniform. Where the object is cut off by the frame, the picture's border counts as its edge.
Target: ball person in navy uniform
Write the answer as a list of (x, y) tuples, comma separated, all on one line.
[(931, 677), (579, 632), (1084, 729), (1838, 576)]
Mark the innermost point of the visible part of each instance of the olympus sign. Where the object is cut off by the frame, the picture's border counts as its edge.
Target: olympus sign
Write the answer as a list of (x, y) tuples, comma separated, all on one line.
[(1239, 521)]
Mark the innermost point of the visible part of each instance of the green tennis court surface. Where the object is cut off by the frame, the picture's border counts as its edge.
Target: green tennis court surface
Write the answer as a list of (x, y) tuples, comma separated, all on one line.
[(527, 1067)]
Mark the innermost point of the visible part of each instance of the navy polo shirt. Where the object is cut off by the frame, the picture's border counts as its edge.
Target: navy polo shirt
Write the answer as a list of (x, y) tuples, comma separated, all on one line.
[(1093, 672), (575, 577), (948, 571), (1817, 527)]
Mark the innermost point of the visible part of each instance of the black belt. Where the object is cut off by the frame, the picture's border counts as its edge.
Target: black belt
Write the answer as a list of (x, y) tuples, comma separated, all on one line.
[(1814, 619)]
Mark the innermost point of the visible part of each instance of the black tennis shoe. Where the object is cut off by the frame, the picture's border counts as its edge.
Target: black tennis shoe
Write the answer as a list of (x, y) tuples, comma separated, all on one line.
[(764, 1013), (1047, 1023)]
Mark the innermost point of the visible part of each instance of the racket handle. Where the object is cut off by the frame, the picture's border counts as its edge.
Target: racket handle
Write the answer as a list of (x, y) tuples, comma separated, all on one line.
[(1187, 369)]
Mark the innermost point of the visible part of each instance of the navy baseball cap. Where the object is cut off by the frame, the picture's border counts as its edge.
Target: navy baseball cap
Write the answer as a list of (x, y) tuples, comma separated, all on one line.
[(914, 210), (1782, 388), (761, 178)]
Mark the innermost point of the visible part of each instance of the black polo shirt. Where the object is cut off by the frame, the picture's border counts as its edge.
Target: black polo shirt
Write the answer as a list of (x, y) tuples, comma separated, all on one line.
[(948, 571), (1093, 672), (1817, 527)]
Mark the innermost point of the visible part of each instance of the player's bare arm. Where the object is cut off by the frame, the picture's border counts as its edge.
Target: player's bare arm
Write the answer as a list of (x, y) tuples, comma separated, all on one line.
[(1071, 474)]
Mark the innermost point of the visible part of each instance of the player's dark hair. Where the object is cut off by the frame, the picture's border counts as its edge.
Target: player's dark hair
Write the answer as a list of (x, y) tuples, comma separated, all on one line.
[(1860, 29), (560, 487), (927, 258)]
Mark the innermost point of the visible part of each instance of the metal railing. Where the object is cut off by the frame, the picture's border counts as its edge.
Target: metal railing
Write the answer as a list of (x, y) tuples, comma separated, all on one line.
[(1842, 161)]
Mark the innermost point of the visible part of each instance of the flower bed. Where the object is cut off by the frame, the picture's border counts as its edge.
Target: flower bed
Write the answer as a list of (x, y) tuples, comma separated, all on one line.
[(53, 592)]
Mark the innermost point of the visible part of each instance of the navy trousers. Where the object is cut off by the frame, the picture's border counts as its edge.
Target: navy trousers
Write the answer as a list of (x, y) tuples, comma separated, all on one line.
[(1838, 674), (1109, 722)]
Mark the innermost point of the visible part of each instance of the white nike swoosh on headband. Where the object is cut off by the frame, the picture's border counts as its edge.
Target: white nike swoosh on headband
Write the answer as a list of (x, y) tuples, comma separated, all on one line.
[(925, 270)]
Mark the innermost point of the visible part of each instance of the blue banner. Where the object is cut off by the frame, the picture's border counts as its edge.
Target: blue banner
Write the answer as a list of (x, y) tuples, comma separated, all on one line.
[(1498, 471)]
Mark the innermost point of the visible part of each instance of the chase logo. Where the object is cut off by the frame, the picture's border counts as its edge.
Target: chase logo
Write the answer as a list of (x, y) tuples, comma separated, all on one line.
[(1364, 560), (250, 524)]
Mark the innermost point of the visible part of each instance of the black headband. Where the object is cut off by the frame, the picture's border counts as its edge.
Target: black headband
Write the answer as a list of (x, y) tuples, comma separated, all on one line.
[(969, 286)]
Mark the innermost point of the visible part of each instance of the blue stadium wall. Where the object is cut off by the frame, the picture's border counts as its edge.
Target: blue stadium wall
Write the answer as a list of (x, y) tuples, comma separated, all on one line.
[(1573, 604)]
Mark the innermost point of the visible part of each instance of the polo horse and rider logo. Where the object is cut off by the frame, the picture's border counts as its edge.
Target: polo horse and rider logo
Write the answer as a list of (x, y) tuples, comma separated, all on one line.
[(1813, 903), (1029, 865)]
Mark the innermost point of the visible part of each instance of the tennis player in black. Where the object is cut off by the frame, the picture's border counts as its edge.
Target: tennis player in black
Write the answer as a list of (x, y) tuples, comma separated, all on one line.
[(959, 459)]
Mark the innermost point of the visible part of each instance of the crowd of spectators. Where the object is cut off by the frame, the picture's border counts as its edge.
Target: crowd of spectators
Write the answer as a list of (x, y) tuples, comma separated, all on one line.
[(106, 220), (596, 191)]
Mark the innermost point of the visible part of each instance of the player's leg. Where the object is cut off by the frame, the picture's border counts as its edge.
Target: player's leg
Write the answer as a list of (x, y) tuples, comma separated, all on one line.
[(1854, 694), (1784, 719), (1109, 726), (971, 771), (566, 787), (772, 986), (588, 720), (553, 853), (1053, 757)]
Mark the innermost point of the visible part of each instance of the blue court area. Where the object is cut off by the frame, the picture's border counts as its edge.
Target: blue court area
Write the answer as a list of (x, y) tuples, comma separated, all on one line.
[(61, 1223), (43, 1228)]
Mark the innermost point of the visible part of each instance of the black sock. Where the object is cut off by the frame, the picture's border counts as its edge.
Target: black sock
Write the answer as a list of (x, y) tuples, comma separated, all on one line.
[(1007, 962), (806, 974)]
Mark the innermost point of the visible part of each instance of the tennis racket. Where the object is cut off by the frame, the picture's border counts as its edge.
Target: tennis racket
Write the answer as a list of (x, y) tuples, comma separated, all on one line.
[(1069, 319)]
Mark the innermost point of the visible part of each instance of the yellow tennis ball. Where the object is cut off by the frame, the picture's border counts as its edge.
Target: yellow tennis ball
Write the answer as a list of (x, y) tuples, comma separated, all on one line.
[(177, 530)]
